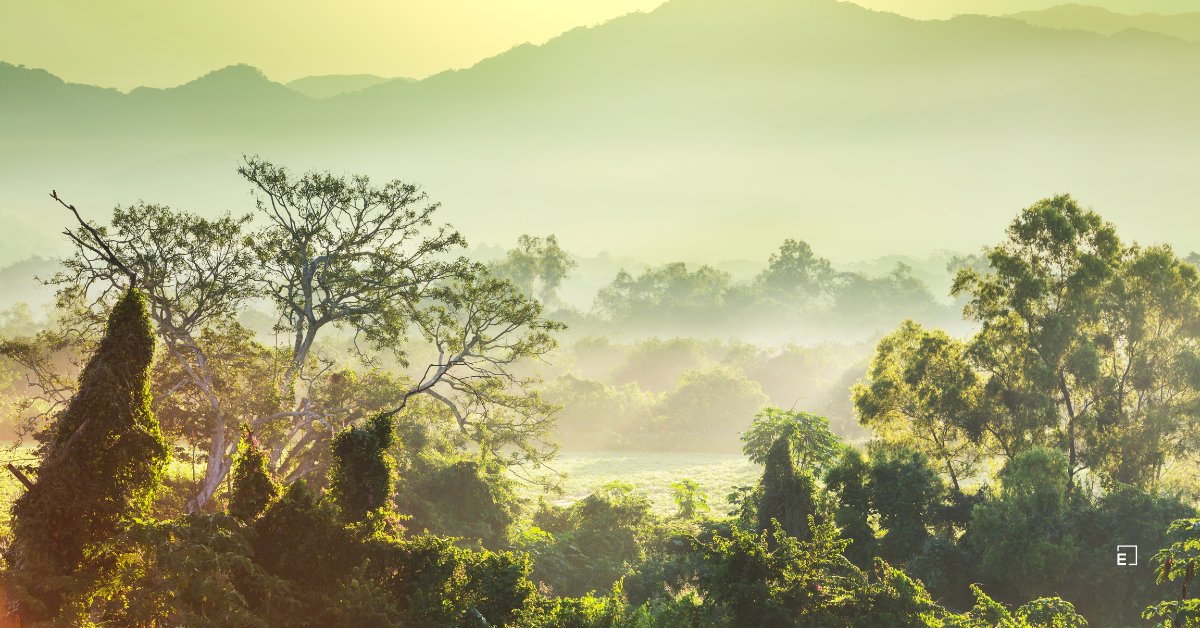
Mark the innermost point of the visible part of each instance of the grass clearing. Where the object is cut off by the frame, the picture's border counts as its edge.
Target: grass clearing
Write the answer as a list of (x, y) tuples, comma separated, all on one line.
[(651, 472)]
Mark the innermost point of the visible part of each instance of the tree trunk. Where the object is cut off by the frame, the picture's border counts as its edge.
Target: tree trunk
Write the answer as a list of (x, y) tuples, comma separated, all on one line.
[(214, 472)]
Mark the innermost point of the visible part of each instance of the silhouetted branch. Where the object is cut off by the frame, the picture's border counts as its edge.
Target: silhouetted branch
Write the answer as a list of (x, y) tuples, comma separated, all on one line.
[(104, 252)]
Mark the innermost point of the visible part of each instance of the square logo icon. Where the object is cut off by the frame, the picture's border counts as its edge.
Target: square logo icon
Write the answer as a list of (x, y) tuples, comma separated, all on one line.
[(1127, 555)]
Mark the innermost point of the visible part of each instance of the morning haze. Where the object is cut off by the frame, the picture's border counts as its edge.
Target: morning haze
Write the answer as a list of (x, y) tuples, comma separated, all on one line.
[(727, 125)]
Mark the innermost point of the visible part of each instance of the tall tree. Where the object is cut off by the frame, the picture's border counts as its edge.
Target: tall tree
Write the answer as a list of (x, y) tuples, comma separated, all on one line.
[(341, 252), (197, 275), (1086, 345), (1146, 369), (788, 495), (336, 252), (103, 462), (922, 392), (809, 436), (1037, 308)]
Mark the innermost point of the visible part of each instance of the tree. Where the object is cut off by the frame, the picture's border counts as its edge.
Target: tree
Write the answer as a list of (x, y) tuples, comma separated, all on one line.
[(537, 266), (689, 498), (1085, 344), (1029, 518), (796, 276), (921, 392), (1177, 564), (664, 297), (862, 300), (788, 495), (196, 274), (708, 410), (850, 480), (905, 490), (1146, 365), (361, 478), (253, 487), (341, 252), (103, 462), (808, 434), (336, 252)]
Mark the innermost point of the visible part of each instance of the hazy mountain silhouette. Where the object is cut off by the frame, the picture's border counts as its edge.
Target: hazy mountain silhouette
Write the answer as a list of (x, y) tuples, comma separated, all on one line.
[(329, 85), (941, 9), (1098, 20), (720, 126)]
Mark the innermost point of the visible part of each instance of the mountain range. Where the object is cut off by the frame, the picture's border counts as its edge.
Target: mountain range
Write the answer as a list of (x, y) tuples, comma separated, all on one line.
[(705, 129), (1099, 20)]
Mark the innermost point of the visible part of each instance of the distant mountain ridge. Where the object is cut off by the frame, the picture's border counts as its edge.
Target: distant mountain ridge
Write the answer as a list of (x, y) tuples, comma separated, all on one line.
[(714, 125), (1098, 20), (330, 85)]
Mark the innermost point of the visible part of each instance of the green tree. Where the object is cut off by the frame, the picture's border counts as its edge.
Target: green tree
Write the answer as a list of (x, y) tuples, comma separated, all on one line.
[(100, 468), (361, 478), (905, 490), (811, 441), (1023, 535), (1147, 369), (850, 480), (788, 494), (920, 392), (1035, 307), (253, 488), (1177, 565), (1086, 344), (689, 498), (197, 274)]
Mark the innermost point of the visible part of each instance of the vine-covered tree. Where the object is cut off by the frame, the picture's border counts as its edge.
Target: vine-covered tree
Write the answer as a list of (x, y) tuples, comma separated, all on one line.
[(361, 477), (196, 274), (101, 466), (253, 488), (788, 494)]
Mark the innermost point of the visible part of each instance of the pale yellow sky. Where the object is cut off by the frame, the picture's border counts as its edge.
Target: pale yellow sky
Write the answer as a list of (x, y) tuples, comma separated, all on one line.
[(127, 43)]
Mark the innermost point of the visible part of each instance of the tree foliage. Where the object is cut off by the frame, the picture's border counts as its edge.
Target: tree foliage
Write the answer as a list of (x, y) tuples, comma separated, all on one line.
[(921, 392), (102, 464), (253, 488), (788, 494), (362, 474), (808, 434)]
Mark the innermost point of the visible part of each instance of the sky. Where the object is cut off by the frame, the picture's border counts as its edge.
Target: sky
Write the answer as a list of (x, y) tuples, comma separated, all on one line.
[(161, 43)]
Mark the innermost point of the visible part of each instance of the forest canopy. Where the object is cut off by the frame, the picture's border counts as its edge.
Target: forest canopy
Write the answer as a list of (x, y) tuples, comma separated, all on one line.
[(367, 458)]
